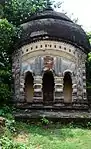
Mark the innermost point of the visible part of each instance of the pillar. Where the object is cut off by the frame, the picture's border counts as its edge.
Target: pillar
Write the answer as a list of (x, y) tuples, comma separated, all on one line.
[(38, 95), (58, 92), (22, 87), (74, 89), (84, 81)]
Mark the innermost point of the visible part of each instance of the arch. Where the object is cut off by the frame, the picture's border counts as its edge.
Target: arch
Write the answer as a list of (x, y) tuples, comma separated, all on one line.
[(29, 90), (67, 71), (48, 87), (67, 87)]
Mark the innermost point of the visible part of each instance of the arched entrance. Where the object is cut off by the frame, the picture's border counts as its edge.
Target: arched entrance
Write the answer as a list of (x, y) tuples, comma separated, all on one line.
[(29, 91), (67, 88), (48, 87)]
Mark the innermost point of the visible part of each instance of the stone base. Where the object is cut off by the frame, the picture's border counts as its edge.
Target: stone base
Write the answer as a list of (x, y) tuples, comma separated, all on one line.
[(53, 106), (38, 114), (55, 110)]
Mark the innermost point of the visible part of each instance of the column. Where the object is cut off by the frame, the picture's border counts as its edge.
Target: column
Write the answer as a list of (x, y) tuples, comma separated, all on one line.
[(84, 82), (74, 89), (22, 88), (16, 77), (58, 92), (38, 95)]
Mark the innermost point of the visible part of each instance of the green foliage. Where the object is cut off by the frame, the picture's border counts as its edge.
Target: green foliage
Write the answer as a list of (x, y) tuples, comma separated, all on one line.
[(4, 111), (45, 121), (89, 57), (55, 137), (16, 11), (8, 143), (5, 93), (89, 65), (6, 140), (1, 11), (10, 125), (88, 124), (89, 36), (8, 34)]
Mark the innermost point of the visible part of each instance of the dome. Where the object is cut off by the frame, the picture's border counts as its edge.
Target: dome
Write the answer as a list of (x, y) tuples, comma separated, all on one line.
[(53, 25)]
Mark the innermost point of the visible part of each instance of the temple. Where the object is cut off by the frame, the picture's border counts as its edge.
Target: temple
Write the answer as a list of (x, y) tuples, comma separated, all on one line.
[(49, 68)]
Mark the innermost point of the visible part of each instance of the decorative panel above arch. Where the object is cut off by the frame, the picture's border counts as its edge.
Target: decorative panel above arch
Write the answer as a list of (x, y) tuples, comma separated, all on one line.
[(42, 63)]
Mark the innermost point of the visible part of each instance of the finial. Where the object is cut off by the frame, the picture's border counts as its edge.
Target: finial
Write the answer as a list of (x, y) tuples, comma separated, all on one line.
[(48, 6)]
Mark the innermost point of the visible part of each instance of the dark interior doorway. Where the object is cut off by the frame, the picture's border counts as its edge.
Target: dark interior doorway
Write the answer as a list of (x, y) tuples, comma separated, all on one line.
[(48, 87), (67, 88), (29, 91)]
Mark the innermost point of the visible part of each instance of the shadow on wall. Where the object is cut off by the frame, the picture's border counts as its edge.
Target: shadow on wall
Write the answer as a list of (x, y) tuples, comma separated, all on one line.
[(29, 90), (67, 88), (48, 86)]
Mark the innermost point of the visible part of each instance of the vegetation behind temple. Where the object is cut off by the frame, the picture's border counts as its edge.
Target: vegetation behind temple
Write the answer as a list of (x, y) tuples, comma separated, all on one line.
[(7, 36), (89, 64), (13, 13)]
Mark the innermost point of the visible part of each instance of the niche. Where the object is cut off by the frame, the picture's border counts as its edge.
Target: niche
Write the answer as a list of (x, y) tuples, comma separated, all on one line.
[(29, 90), (48, 86), (67, 88)]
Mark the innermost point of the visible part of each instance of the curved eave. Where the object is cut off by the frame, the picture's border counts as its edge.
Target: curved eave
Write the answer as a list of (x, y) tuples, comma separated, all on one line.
[(46, 37)]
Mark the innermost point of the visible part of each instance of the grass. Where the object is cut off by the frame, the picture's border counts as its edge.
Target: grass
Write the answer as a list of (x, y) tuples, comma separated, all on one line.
[(55, 136)]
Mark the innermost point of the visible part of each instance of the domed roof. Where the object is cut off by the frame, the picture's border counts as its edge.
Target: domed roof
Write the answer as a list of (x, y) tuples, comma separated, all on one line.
[(50, 13), (55, 26)]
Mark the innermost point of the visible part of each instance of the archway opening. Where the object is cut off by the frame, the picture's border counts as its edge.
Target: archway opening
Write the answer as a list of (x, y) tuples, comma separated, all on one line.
[(67, 88), (48, 87), (29, 91)]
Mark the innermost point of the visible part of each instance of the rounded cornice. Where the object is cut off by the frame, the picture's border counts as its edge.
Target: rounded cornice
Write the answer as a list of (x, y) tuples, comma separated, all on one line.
[(54, 26)]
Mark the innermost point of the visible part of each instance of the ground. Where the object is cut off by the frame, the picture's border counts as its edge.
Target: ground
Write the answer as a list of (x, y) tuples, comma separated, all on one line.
[(50, 136)]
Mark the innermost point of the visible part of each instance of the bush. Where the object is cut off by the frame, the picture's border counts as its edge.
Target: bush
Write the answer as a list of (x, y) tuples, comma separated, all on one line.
[(8, 34), (8, 143)]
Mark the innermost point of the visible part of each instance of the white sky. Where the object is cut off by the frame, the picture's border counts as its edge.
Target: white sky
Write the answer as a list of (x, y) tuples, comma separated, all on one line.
[(81, 9)]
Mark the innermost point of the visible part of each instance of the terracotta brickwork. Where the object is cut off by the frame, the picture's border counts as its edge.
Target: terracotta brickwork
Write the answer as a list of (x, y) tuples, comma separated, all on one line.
[(59, 58)]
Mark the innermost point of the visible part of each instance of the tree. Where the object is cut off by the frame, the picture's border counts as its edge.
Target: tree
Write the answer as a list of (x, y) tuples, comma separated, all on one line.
[(7, 36), (16, 11), (89, 64)]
